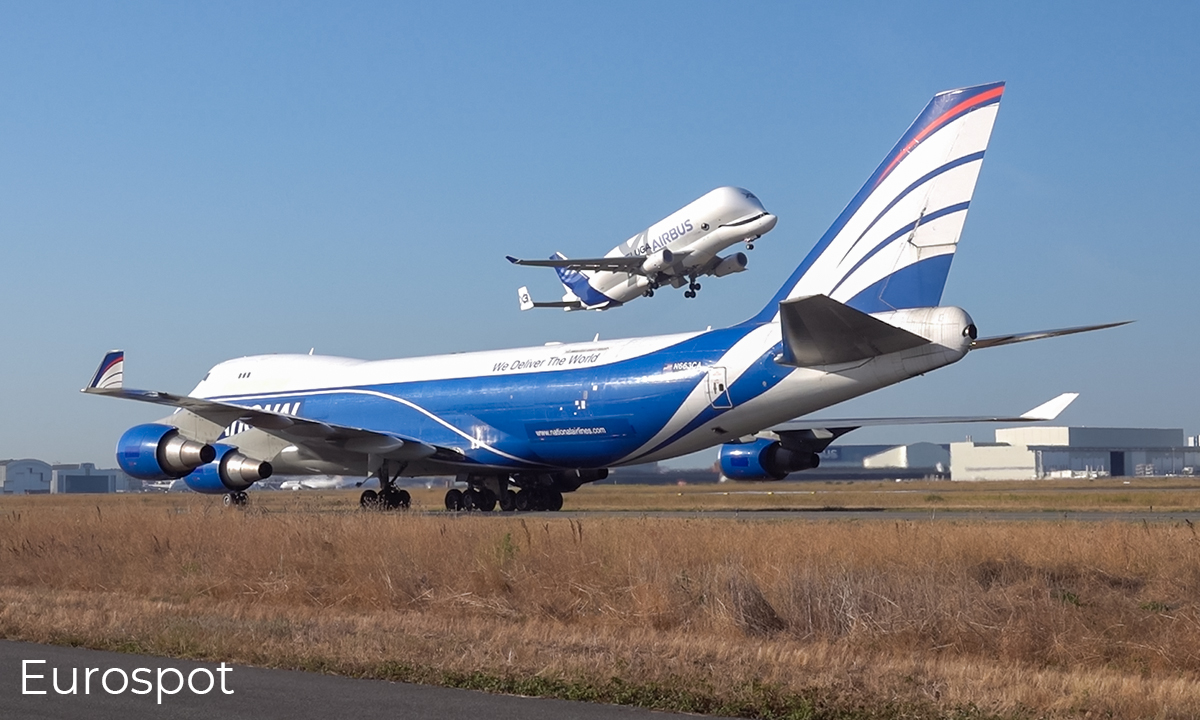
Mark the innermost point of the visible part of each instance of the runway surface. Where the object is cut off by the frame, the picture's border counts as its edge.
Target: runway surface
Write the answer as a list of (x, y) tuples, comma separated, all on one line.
[(257, 693), (885, 515)]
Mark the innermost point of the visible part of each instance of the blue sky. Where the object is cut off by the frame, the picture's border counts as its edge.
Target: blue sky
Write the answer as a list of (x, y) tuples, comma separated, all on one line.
[(194, 182)]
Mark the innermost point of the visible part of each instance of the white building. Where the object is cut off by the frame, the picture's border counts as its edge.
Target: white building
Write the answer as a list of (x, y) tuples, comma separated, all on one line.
[(1035, 452), (24, 477), (915, 455)]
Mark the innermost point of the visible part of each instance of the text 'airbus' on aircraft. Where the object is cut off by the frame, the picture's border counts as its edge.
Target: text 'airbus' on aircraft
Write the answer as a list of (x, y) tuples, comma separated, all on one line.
[(521, 427)]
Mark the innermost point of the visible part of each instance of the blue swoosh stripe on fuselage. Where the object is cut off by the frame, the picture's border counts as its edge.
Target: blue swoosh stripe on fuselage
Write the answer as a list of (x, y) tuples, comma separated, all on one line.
[(759, 377), (499, 409)]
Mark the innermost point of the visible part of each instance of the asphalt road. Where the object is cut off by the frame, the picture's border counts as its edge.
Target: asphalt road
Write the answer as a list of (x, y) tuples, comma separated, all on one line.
[(256, 693), (885, 515)]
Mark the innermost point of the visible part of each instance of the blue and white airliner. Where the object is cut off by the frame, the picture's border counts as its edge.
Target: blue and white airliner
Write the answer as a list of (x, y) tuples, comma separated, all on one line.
[(674, 251), (521, 427)]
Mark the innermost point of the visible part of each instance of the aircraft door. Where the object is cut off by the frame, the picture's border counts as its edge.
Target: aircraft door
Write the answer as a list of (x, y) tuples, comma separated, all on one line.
[(718, 390)]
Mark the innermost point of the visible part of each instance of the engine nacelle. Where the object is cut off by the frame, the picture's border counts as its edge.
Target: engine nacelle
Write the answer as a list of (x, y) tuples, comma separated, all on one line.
[(763, 460), (230, 472), (159, 452), (658, 262), (735, 263)]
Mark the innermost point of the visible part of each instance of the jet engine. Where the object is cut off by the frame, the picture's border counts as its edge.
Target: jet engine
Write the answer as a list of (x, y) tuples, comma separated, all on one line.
[(763, 460), (658, 262), (735, 263), (159, 452), (230, 472)]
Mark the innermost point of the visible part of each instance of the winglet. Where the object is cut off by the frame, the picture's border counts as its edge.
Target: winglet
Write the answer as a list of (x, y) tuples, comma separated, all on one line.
[(513, 260), (1051, 409), (524, 298), (111, 373)]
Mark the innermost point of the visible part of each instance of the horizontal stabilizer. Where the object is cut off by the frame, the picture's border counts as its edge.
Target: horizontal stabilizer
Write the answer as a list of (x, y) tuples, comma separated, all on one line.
[(820, 331), (998, 340), (527, 302)]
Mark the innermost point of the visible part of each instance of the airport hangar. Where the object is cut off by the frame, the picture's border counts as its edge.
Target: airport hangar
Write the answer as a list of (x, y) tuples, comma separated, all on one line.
[(35, 477), (1040, 452)]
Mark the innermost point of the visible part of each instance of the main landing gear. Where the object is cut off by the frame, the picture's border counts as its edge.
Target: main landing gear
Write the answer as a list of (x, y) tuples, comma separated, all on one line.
[(389, 496), (486, 494), (693, 288), (236, 499)]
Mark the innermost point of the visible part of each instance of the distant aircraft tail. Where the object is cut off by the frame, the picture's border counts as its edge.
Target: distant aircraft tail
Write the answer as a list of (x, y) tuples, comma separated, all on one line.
[(892, 246)]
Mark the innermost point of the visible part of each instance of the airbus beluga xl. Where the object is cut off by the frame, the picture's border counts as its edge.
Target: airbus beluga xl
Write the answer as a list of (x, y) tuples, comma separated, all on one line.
[(674, 251), (521, 427)]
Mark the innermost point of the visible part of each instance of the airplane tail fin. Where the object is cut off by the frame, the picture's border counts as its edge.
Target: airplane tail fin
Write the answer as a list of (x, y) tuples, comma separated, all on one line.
[(892, 246), (570, 279), (578, 285)]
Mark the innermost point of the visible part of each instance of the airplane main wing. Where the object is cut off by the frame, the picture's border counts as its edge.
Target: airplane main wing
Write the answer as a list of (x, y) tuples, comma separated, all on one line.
[(608, 264), (297, 430), (814, 435)]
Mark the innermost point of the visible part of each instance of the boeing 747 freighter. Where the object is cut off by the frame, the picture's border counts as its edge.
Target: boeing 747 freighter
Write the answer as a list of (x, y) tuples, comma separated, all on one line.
[(521, 427)]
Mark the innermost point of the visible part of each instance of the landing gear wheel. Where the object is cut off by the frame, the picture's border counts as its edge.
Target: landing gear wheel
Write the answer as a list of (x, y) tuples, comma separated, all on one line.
[(689, 294), (369, 500), (508, 501), (522, 501), (471, 499), (229, 500), (749, 246), (454, 500), (554, 500), (236, 499), (649, 293), (486, 501), (394, 499)]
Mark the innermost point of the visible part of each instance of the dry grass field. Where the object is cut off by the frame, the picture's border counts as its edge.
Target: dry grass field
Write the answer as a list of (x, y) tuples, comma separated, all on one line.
[(1166, 494), (772, 619)]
